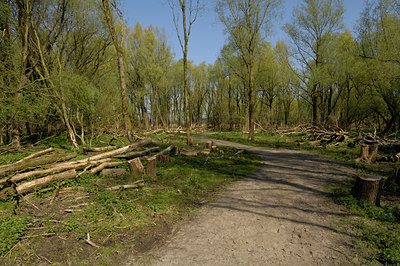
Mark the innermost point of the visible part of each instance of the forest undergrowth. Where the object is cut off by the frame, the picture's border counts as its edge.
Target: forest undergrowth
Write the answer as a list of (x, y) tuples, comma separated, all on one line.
[(86, 223)]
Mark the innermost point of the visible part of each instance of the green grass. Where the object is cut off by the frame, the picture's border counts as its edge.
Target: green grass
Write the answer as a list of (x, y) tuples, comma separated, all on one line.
[(378, 228), (300, 141), (12, 228), (180, 188)]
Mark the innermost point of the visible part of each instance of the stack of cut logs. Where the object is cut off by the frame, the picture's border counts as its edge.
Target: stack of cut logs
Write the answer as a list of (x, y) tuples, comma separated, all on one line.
[(57, 167)]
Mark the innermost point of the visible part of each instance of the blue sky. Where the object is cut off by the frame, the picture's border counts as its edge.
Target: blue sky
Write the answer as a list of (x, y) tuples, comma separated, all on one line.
[(207, 37)]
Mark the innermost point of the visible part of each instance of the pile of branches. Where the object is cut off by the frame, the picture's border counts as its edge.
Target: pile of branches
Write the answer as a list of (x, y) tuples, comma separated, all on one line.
[(319, 133), (60, 166)]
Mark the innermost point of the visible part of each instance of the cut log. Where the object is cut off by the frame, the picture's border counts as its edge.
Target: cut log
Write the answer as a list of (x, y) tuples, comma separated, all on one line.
[(22, 176), (188, 152), (135, 154), (209, 144), (115, 173), (136, 184), (152, 167), (120, 150), (368, 187), (37, 154), (136, 167), (28, 186), (97, 149), (104, 165), (169, 149), (36, 162)]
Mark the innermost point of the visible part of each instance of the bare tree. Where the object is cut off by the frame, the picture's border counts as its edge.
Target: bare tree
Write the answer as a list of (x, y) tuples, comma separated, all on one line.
[(189, 16), (246, 22), (121, 67)]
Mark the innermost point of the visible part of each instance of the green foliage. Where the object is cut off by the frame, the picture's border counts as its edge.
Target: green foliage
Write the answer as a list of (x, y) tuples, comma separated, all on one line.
[(12, 228), (379, 239), (343, 197)]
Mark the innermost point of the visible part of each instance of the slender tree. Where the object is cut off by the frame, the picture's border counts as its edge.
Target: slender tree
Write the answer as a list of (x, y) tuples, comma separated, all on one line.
[(314, 23), (189, 15), (118, 43), (248, 24)]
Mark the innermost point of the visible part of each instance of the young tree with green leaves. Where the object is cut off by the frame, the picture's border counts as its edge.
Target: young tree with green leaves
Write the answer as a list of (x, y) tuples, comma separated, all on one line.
[(313, 24), (248, 23), (189, 13)]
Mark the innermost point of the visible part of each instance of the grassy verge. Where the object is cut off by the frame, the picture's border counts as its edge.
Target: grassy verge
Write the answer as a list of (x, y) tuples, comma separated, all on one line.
[(122, 223), (377, 228)]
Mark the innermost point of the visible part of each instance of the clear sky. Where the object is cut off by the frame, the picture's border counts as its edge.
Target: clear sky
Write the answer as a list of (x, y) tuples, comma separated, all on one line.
[(207, 37)]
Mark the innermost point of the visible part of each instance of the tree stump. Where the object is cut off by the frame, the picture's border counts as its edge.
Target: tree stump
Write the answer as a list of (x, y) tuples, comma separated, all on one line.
[(152, 167), (209, 144), (117, 172), (214, 148), (368, 188), (373, 152), (190, 141), (136, 167), (368, 153)]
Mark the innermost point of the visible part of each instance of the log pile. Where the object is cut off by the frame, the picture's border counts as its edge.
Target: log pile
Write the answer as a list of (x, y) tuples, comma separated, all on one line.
[(56, 167)]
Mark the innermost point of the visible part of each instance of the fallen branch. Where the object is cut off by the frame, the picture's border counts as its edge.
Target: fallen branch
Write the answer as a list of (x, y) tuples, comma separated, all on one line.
[(25, 187), (97, 149), (104, 165), (136, 184), (37, 154), (120, 150), (170, 148), (36, 162), (56, 168), (135, 154), (88, 241)]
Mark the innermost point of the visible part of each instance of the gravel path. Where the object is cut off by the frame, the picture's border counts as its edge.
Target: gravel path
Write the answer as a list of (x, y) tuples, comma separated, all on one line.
[(280, 215)]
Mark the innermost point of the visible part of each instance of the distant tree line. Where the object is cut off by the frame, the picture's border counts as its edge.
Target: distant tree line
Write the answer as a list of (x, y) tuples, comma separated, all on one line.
[(62, 63)]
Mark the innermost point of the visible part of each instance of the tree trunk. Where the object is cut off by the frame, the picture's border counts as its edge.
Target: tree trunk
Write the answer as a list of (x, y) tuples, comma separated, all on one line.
[(368, 188), (121, 69), (252, 98), (25, 187)]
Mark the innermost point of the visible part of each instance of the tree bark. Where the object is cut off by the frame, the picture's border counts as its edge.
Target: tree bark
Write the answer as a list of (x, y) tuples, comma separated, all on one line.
[(368, 188), (36, 162), (37, 154), (135, 154), (104, 165), (136, 167), (121, 69), (25, 187), (152, 166)]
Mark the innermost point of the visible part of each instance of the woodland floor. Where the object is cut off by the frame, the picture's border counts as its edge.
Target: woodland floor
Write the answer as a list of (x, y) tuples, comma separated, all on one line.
[(280, 215)]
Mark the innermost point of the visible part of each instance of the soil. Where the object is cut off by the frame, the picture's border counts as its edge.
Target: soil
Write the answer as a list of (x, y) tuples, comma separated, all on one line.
[(280, 215)]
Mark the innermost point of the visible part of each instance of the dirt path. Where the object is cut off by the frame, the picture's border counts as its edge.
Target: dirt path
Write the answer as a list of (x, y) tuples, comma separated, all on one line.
[(281, 215)]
